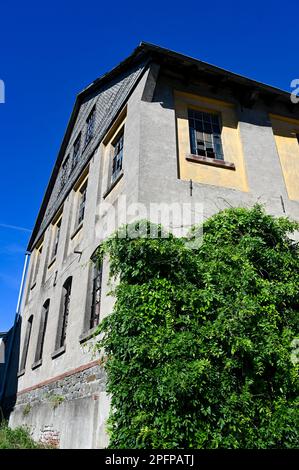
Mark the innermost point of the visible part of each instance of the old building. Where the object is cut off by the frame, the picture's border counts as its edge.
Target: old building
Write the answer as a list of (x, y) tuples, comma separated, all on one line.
[(159, 128)]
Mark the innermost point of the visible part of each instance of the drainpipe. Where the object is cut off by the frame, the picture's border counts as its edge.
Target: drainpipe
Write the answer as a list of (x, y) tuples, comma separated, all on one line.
[(17, 317)]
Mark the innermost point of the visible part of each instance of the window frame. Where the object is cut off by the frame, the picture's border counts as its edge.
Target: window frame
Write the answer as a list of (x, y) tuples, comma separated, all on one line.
[(26, 344), (81, 209), (114, 175), (36, 264), (63, 321), (64, 172), (89, 130), (56, 237), (76, 152), (42, 334), (203, 120), (96, 294)]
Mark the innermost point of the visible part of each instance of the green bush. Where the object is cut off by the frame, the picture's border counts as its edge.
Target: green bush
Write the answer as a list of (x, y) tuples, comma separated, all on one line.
[(18, 438), (199, 342)]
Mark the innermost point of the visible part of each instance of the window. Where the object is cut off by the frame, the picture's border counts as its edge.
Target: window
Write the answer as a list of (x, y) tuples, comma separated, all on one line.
[(96, 294), (37, 263), (66, 295), (76, 151), (82, 202), (90, 124), (117, 156), (42, 331), (205, 134), (26, 343), (57, 229), (64, 172)]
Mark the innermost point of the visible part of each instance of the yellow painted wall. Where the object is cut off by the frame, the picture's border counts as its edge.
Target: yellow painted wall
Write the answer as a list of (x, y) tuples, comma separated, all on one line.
[(285, 131), (231, 143)]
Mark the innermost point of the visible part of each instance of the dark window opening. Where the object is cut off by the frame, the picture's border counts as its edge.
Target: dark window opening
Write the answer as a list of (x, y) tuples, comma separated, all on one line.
[(205, 134), (42, 331), (117, 156), (66, 295), (26, 343), (82, 203), (64, 172), (90, 125), (96, 294), (76, 151), (56, 239)]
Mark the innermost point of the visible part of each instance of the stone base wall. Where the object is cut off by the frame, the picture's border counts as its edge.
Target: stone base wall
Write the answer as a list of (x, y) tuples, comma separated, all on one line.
[(69, 412)]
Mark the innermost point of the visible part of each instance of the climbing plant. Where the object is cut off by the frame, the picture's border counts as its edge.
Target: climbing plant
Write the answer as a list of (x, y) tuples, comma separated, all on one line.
[(199, 344)]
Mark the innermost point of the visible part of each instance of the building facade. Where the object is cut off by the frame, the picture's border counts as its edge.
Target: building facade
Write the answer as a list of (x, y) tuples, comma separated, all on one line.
[(159, 128)]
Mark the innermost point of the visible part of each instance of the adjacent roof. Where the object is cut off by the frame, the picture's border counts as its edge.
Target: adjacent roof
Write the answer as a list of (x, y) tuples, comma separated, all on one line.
[(145, 53)]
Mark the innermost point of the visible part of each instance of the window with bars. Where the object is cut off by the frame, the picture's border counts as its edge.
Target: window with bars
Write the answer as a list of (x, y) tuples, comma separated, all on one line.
[(57, 229), (90, 125), (76, 151), (205, 134), (66, 295), (82, 203), (42, 331), (117, 156), (26, 343), (96, 295)]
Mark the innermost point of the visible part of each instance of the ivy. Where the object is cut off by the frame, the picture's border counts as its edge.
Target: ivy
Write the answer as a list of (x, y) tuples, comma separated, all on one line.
[(198, 345)]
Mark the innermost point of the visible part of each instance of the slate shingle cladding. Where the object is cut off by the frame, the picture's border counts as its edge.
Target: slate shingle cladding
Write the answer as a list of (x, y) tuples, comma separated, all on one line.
[(108, 101)]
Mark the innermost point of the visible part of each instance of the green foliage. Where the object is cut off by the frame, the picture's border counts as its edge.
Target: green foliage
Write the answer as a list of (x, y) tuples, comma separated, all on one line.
[(26, 409), (55, 400), (18, 438), (199, 342)]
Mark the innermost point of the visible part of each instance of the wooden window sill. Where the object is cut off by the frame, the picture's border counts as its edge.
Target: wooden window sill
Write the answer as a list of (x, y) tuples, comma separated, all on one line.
[(36, 364), (58, 352), (86, 335), (77, 230), (211, 161), (119, 177)]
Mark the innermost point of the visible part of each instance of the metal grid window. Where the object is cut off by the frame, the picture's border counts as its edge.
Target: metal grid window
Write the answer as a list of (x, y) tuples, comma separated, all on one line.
[(76, 151), (117, 156), (205, 134), (96, 295), (66, 295), (82, 203), (90, 124)]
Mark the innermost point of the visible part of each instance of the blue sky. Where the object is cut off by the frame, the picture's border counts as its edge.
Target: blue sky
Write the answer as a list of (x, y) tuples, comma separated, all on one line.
[(49, 51)]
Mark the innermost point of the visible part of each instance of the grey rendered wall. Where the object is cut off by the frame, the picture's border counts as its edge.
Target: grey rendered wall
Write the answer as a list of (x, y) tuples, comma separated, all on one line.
[(77, 414), (159, 180)]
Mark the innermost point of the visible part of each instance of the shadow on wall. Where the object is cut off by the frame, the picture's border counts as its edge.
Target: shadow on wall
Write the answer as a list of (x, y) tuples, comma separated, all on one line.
[(9, 370)]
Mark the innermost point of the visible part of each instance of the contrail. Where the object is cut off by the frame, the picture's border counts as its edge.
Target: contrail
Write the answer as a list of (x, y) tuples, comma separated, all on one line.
[(16, 227)]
